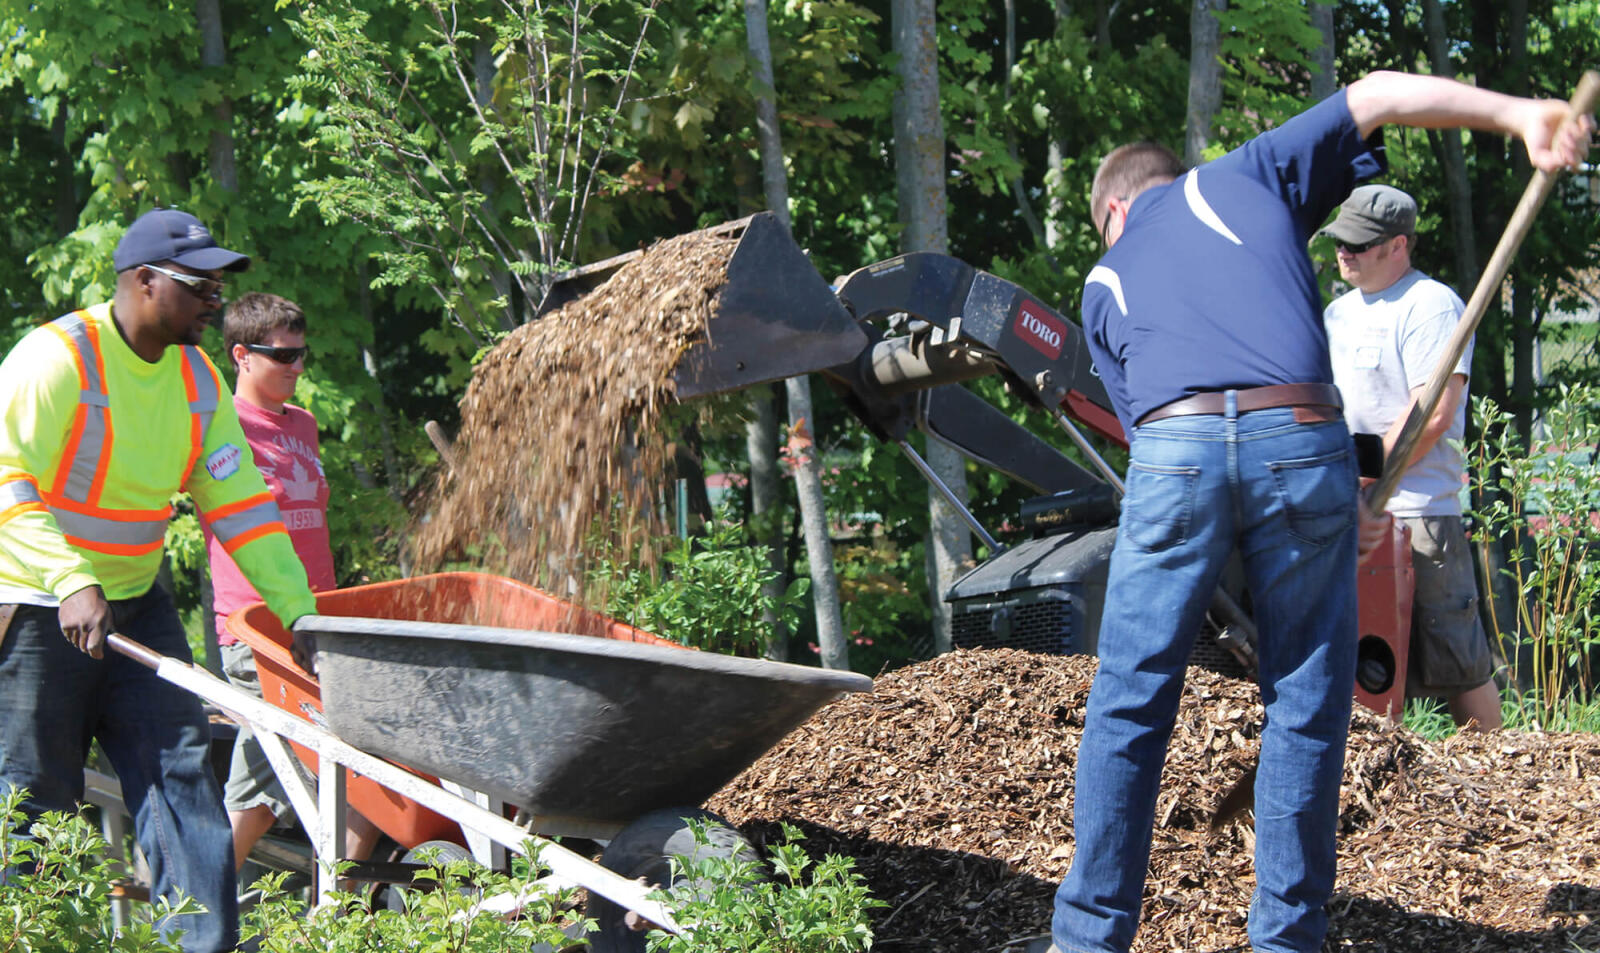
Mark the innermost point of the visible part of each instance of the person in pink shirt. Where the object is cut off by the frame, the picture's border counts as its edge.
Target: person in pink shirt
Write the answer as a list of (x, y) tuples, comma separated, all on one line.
[(265, 336)]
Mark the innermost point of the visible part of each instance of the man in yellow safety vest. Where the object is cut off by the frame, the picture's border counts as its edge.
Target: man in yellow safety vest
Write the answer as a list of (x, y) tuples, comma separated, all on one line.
[(110, 411)]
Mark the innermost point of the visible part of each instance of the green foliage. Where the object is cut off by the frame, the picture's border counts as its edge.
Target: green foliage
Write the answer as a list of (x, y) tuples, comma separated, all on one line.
[(1522, 711), (809, 907), (708, 593), (1266, 54), (1546, 506), (58, 900), (884, 614), (470, 136), (447, 917), (58, 893)]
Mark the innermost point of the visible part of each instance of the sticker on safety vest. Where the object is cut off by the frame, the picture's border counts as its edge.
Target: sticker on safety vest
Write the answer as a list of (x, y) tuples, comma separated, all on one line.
[(223, 462)]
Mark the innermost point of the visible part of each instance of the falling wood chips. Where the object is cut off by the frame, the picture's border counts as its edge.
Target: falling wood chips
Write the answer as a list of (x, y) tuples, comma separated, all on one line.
[(561, 444), (951, 786)]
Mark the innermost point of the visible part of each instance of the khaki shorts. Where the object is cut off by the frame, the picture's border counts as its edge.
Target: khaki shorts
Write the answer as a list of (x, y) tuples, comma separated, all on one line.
[(250, 778), (1450, 653)]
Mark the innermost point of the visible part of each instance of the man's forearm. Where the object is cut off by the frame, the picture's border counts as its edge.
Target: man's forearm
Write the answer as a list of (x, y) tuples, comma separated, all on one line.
[(1433, 102)]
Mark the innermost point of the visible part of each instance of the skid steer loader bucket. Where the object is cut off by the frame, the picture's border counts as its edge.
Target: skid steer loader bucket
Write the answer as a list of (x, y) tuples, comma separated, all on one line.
[(775, 318)]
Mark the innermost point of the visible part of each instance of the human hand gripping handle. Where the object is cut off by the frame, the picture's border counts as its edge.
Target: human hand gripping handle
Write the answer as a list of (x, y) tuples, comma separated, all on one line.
[(1374, 527), (304, 649), (1557, 134), (85, 618)]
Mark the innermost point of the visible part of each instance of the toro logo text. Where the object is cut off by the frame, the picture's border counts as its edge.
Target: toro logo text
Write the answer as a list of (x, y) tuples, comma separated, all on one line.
[(1043, 331)]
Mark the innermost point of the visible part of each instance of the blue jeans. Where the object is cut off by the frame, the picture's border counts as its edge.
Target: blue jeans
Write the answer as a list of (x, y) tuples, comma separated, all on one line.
[(54, 700), (1284, 495)]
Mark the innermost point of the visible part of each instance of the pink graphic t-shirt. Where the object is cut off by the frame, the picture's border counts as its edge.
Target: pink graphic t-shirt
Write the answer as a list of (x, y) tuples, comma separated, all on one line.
[(288, 456)]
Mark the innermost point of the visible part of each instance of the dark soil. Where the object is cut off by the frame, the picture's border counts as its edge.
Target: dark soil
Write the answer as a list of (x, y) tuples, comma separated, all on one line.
[(951, 786)]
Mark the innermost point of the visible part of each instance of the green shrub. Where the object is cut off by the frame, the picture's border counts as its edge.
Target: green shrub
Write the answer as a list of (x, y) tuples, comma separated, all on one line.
[(1544, 506), (58, 898), (707, 595), (731, 908), (444, 918)]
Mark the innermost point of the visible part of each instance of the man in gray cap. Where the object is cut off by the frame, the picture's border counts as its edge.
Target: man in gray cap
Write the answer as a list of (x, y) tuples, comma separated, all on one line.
[(110, 411), (1386, 336)]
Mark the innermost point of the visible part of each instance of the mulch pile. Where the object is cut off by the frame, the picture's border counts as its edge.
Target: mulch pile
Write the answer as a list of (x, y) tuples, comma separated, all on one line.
[(951, 786), (562, 442)]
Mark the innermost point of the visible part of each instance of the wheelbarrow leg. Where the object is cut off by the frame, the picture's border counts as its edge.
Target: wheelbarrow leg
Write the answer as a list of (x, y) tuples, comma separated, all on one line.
[(484, 849)]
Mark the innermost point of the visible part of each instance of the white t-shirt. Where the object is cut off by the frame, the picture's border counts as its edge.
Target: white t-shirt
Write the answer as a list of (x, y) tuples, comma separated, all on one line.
[(1384, 345)]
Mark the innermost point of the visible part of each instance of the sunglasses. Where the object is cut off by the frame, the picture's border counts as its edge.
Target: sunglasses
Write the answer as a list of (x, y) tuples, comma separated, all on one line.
[(283, 355), (1358, 249), (199, 285)]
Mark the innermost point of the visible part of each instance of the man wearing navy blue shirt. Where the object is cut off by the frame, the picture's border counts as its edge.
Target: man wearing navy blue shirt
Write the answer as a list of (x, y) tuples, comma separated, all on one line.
[(1205, 322)]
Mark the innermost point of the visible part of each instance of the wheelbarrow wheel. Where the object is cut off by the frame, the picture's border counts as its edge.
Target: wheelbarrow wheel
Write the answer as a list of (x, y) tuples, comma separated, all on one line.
[(444, 852), (645, 848)]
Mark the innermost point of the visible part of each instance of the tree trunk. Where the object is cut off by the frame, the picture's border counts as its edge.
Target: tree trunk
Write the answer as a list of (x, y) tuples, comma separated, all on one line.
[(1522, 303), (66, 199), (1055, 154), (1452, 156), (1323, 82), (380, 412), (831, 642), (766, 506), (1024, 207), (919, 148), (1205, 77), (214, 55)]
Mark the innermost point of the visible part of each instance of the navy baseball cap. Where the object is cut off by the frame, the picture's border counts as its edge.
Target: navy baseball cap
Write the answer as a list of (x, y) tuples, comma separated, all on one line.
[(166, 234)]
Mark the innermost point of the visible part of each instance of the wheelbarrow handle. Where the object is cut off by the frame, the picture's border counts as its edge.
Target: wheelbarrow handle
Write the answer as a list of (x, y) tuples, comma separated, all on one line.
[(144, 655), (264, 716)]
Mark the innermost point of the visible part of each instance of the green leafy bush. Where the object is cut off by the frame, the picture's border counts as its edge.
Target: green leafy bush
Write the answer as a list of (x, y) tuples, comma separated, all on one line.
[(808, 907), (708, 593), (449, 917), (1544, 506), (58, 895)]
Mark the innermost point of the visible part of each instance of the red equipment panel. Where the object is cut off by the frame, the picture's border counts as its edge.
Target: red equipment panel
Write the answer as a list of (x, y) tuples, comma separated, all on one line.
[(1384, 585)]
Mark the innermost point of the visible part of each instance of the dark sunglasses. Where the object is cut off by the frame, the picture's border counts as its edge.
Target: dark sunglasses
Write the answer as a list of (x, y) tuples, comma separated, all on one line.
[(283, 355), (1358, 249), (199, 285)]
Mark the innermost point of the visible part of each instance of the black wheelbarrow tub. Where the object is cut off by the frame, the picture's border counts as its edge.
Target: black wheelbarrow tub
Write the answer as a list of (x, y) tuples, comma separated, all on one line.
[(566, 726)]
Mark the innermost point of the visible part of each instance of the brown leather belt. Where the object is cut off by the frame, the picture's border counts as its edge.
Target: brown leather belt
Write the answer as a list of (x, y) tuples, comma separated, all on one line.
[(1313, 403)]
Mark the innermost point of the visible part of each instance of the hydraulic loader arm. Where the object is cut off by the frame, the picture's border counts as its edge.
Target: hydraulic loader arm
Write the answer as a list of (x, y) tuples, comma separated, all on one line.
[(1043, 356)]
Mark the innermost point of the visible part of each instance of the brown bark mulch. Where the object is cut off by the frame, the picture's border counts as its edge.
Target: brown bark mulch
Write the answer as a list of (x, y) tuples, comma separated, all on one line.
[(563, 436), (951, 787)]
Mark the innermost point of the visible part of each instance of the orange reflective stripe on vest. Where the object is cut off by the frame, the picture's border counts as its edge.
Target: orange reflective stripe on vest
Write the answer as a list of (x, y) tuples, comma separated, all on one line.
[(88, 447), (204, 390), (74, 498)]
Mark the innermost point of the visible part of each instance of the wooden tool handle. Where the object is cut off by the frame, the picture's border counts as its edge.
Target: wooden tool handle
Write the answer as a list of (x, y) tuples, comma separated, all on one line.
[(1583, 101)]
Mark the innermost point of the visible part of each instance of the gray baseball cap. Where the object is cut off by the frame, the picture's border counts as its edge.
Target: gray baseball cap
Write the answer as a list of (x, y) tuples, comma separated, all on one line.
[(1373, 212)]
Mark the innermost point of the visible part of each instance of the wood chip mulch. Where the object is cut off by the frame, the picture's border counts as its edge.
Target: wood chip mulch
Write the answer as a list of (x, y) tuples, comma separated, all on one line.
[(562, 441), (951, 787)]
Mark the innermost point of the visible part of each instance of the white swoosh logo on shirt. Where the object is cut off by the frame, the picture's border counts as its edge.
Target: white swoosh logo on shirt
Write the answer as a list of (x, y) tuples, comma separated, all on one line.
[(1101, 275), (1203, 210)]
